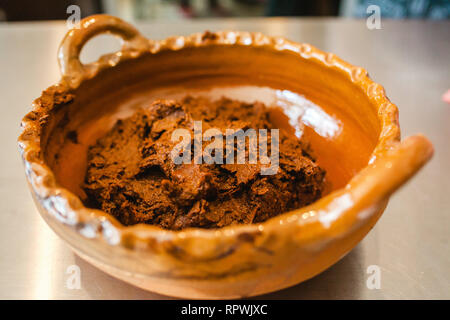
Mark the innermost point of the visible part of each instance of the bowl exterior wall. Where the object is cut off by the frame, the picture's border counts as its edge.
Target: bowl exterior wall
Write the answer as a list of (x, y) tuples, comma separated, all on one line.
[(270, 271)]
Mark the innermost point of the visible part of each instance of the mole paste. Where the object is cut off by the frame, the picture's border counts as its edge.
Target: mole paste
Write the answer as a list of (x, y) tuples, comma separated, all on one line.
[(131, 175)]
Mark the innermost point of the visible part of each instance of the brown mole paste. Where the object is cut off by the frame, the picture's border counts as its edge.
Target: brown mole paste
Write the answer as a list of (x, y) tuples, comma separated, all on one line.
[(131, 174)]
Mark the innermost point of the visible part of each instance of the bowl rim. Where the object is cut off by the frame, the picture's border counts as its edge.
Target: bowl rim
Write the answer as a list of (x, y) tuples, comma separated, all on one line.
[(68, 209)]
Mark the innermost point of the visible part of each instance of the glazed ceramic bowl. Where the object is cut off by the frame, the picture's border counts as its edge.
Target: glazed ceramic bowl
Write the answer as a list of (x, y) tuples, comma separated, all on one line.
[(352, 126)]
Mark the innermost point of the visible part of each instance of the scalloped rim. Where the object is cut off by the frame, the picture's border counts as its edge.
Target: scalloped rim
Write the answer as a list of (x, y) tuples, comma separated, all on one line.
[(91, 223)]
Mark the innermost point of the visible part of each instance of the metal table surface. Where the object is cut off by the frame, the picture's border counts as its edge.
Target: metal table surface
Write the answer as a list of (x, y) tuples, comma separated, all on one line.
[(410, 243)]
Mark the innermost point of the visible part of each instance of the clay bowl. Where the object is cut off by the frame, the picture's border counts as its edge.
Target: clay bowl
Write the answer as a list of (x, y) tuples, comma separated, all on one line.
[(352, 126)]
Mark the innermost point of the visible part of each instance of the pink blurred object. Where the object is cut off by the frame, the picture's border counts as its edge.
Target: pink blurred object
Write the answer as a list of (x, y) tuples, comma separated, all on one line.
[(446, 96)]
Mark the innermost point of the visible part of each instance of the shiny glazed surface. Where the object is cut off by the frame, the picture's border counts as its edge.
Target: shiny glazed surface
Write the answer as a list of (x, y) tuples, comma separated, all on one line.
[(231, 262)]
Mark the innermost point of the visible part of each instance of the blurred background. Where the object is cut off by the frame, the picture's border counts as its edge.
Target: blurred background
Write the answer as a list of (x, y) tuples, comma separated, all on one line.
[(136, 10)]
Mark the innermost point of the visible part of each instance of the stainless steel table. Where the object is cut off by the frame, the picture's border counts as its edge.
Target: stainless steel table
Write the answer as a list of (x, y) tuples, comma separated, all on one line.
[(410, 243)]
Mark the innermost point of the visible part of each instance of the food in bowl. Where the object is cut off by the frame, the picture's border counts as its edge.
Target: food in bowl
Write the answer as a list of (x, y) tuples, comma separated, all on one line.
[(351, 124), (132, 175)]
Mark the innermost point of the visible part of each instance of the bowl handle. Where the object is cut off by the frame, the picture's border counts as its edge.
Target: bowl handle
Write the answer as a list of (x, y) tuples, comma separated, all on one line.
[(391, 170), (72, 70)]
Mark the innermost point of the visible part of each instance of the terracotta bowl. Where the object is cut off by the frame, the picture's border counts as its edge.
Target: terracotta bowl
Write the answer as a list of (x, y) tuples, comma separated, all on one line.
[(352, 126)]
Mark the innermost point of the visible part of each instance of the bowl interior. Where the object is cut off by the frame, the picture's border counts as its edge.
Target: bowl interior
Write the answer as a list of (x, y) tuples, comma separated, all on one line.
[(307, 97)]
